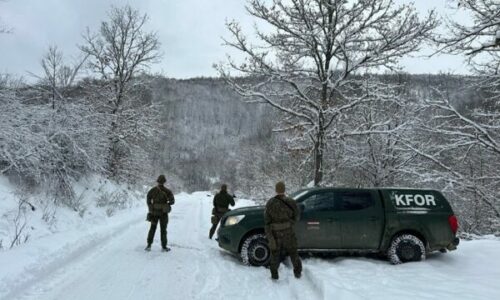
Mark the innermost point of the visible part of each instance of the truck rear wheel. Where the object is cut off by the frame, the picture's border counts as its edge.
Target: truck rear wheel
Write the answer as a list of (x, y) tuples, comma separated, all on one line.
[(255, 251), (406, 248)]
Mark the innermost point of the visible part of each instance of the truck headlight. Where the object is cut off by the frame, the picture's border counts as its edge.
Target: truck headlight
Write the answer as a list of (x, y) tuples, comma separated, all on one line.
[(233, 220)]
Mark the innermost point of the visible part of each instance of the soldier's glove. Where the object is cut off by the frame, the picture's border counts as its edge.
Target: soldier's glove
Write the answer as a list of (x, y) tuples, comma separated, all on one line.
[(272, 244)]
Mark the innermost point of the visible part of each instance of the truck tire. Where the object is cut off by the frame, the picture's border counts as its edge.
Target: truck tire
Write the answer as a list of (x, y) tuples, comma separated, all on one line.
[(405, 248), (255, 251)]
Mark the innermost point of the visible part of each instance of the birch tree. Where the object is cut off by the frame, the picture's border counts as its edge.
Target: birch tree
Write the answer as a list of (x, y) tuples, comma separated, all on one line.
[(305, 65), (119, 52)]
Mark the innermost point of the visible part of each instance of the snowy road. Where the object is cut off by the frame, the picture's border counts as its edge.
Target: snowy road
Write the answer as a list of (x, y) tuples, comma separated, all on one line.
[(114, 266)]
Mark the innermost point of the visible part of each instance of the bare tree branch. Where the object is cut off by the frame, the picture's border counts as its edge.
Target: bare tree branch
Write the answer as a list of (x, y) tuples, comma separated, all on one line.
[(119, 52), (307, 65)]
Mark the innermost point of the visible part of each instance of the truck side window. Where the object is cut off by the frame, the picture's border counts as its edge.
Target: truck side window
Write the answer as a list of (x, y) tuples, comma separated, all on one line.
[(355, 200), (321, 201)]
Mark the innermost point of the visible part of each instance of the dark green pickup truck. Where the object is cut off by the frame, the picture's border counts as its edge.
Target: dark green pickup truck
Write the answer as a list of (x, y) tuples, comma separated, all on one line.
[(404, 224)]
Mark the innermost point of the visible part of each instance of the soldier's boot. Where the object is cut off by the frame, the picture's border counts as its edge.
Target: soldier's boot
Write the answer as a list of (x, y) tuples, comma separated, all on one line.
[(165, 249), (297, 267), (148, 247), (297, 263), (274, 275), (212, 231)]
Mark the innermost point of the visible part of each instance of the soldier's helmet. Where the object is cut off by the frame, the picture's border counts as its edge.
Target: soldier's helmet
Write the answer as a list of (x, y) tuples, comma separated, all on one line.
[(223, 187), (161, 179), (280, 187)]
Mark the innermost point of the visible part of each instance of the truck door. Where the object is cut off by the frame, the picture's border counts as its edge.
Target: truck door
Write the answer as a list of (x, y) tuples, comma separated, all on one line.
[(317, 228), (362, 217)]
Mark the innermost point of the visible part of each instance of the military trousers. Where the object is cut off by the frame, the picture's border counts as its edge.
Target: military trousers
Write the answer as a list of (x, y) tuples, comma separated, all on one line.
[(286, 244), (163, 219), (216, 217)]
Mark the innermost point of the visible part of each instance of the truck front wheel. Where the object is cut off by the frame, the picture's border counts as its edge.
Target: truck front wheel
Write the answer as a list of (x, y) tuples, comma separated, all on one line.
[(406, 248), (255, 251)]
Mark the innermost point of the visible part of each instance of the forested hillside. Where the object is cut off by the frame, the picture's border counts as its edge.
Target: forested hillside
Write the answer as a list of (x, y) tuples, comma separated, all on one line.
[(205, 134), (211, 135)]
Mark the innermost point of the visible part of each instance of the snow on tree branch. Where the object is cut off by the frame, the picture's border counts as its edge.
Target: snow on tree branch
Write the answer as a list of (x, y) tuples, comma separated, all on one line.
[(310, 60), (119, 53)]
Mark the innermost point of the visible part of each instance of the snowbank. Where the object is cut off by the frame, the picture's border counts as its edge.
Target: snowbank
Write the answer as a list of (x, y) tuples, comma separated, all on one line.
[(98, 199)]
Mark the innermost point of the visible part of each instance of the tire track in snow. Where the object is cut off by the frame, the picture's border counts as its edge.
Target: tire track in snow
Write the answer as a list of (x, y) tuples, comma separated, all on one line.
[(196, 268), (305, 287), (215, 267), (133, 289), (92, 242), (119, 271), (226, 272), (329, 283), (65, 283), (201, 274)]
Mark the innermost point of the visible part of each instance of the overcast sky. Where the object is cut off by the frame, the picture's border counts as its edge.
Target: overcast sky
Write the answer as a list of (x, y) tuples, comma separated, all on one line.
[(190, 32)]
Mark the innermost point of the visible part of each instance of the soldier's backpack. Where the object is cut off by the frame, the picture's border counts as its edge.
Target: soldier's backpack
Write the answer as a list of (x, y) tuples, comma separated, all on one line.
[(157, 201)]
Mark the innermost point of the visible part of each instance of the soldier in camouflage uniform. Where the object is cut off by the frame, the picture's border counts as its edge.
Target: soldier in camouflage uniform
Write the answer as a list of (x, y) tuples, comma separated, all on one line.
[(221, 205), (159, 200), (280, 215)]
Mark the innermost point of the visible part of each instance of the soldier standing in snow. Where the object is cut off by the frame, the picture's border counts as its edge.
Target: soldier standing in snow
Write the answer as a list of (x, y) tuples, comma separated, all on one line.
[(280, 215), (221, 206), (159, 200)]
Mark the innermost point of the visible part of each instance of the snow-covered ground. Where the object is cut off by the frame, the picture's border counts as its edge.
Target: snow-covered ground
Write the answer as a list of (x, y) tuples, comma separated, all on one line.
[(107, 261), (95, 197)]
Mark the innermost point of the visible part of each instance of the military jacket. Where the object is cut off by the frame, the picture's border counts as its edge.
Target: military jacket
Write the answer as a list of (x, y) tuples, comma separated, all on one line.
[(281, 213), (222, 201), (159, 200)]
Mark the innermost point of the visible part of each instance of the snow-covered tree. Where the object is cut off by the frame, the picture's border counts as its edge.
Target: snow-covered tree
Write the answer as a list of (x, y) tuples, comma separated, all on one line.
[(58, 76), (304, 63), (119, 53), (478, 40), (371, 153), (462, 139), (463, 145), (42, 147)]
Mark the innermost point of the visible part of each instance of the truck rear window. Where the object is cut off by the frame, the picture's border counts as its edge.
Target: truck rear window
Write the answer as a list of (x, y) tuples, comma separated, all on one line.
[(320, 202), (355, 200)]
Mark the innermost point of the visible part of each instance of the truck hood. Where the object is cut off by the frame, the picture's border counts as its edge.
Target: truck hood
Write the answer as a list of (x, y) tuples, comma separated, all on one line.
[(247, 210)]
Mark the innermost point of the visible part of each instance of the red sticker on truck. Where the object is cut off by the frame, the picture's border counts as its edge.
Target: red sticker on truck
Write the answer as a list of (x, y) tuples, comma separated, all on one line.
[(313, 223)]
